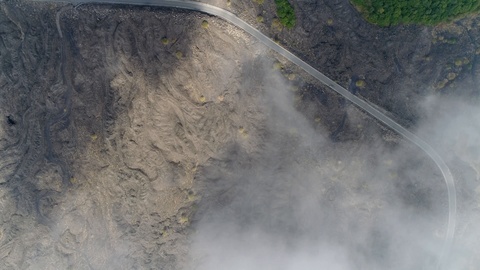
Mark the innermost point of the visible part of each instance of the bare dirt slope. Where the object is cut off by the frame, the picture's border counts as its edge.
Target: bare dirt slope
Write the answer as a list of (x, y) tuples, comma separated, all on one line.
[(108, 113)]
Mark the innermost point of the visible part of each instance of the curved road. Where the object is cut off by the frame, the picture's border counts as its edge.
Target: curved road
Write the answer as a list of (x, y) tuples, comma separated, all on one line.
[(230, 17)]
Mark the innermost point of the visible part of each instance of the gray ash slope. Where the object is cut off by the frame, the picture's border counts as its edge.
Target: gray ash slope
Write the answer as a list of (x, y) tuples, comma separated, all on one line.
[(400, 64), (123, 133)]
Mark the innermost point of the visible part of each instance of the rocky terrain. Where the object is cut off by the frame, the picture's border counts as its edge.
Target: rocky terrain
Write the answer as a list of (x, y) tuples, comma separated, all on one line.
[(144, 138)]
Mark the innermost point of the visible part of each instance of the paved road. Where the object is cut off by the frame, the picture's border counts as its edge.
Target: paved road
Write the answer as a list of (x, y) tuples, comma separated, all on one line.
[(230, 17)]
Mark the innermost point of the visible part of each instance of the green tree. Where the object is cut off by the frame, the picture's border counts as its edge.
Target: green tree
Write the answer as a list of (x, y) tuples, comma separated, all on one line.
[(427, 12), (286, 13)]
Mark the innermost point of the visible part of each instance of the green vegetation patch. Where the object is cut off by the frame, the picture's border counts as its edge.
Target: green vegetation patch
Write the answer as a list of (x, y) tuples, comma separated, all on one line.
[(286, 13), (360, 83), (204, 24), (426, 12)]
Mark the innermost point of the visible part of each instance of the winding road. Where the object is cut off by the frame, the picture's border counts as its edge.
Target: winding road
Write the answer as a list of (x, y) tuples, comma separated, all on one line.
[(362, 104)]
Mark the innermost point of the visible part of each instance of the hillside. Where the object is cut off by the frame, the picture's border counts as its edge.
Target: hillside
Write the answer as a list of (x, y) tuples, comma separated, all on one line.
[(156, 138)]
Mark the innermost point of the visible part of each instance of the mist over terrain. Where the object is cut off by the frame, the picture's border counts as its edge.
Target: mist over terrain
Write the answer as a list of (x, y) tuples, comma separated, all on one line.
[(307, 202), (153, 138), (457, 138)]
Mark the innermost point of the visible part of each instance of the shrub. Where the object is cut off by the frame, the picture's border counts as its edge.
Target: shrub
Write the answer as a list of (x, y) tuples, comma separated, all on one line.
[(204, 24), (451, 76), (243, 132), (183, 219), (179, 55), (277, 66), (165, 41), (441, 84), (276, 24), (360, 83), (426, 12), (286, 13)]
